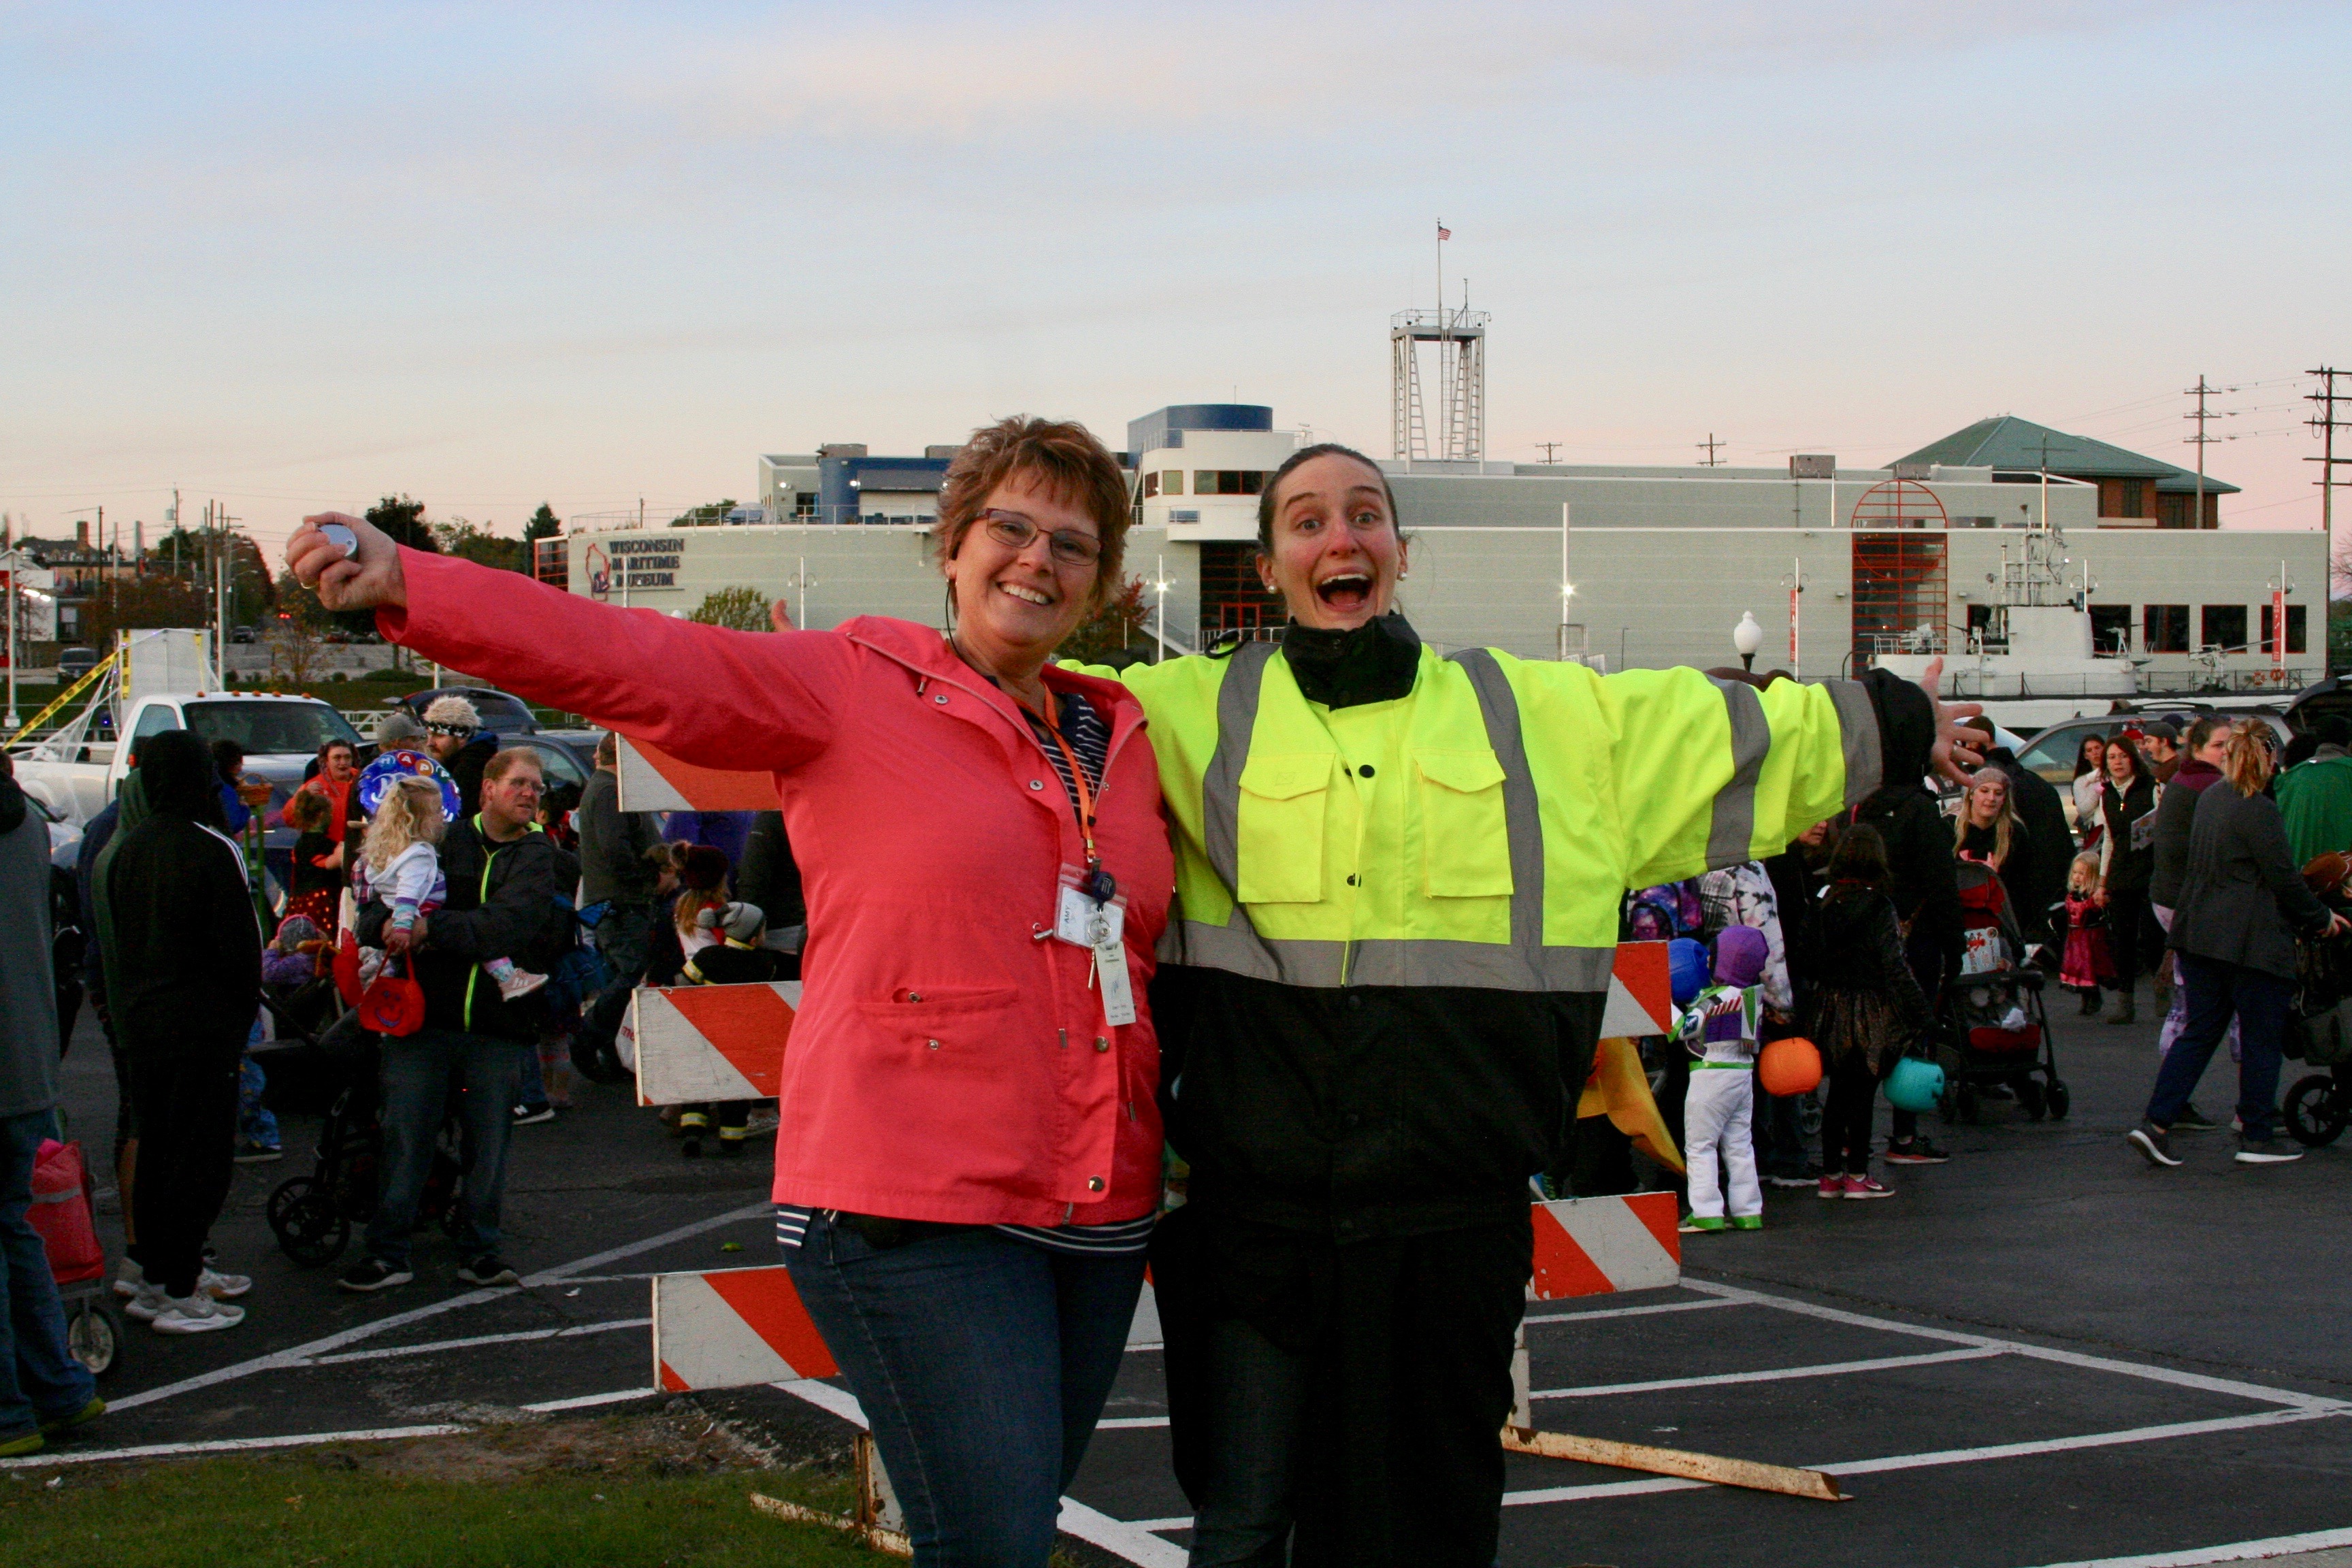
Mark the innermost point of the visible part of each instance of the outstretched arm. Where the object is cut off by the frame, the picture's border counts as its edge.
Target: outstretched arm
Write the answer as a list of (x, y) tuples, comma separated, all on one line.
[(715, 698)]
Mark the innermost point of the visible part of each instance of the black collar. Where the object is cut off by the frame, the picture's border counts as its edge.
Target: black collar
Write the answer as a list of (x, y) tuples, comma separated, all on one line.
[(1374, 663)]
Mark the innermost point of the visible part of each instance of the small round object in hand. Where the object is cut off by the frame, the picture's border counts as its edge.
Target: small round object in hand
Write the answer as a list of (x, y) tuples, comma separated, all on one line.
[(340, 536)]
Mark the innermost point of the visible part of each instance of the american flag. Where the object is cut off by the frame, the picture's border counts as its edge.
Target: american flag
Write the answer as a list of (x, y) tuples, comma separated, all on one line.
[(1443, 232)]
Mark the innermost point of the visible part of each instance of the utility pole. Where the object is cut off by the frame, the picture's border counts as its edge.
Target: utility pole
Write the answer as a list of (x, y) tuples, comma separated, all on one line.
[(2201, 441), (2328, 397), (1709, 446), (1549, 448)]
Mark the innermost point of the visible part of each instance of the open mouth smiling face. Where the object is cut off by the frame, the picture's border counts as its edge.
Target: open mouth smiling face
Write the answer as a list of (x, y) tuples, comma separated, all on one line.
[(1335, 554)]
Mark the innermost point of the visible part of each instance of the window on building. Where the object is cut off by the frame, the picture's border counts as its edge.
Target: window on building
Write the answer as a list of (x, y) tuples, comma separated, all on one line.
[(2172, 511), (1172, 482), (1150, 486), (2224, 626), (1228, 482), (2123, 498), (2164, 628), (2294, 635), (2111, 628)]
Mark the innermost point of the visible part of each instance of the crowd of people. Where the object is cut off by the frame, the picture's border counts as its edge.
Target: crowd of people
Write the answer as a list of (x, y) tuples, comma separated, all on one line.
[(1280, 969)]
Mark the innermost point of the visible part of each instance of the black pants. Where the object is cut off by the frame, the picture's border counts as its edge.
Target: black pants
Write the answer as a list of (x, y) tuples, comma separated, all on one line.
[(1350, 1396), (2132, 937), (1845, 1119), (186, 1114)]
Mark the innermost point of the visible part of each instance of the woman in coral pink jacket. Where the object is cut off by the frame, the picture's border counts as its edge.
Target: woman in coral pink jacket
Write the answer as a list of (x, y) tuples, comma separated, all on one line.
[(969, 1158)]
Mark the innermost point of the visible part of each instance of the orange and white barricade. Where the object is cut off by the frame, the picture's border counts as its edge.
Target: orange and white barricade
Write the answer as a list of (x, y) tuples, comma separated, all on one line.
[(701, 1043)]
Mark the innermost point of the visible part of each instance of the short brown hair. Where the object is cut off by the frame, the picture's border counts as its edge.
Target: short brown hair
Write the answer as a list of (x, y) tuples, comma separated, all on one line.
[(506, 761), (305, 812), (1064, 458)]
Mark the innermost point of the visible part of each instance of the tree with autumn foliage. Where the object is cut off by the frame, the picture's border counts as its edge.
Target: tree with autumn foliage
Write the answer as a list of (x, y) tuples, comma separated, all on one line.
[(1117, 625)]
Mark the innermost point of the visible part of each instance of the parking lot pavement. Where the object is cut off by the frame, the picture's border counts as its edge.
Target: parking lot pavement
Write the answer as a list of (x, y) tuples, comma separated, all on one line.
[(2042, 1353)]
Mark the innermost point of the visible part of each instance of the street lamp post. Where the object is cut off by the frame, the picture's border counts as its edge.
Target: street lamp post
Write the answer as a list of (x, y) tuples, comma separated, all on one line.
[(1159, 583), (1747, 637)]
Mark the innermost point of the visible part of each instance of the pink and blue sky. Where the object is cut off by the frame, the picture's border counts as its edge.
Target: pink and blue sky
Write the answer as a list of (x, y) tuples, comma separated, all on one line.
[(295, 257)]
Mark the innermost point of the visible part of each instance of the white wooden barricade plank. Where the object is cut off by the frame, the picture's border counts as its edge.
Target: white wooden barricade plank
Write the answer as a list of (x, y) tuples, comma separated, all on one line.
[(652, 780), (738, 1327), (703, 1043)]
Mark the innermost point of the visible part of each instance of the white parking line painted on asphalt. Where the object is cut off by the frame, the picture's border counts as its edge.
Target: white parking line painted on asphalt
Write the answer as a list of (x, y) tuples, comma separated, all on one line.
[(228, 1445), (2263, 1394), (1705, 1306), (1823, 1369), (388, 1351), (824, 1397), (1132, 1542), (1128, 1423), (2236, 1552), (1944, 1456), (589, 1401), (298, 1355)]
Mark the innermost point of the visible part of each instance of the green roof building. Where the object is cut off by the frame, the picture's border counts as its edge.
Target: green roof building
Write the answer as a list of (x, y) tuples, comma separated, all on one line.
[(2131, 487)]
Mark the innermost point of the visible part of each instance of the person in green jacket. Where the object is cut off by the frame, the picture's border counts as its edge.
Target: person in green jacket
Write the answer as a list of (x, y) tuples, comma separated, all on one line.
[(2315, 797), (1397, 889)]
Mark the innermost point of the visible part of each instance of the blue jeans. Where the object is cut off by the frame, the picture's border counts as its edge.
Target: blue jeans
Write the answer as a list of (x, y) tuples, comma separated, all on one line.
[(2264, 1005), (39, 1379), (983, 1363), (421, 1072)]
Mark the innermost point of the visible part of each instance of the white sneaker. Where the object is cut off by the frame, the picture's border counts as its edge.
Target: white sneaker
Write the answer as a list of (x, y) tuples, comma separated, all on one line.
[(520, 983), (132, 1281), (145, 1301), (222, 1287), (196, 1314)]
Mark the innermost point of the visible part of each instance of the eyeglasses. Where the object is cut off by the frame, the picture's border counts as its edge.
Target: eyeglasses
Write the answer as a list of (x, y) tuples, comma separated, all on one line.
[(1067, 546), (456, 732)]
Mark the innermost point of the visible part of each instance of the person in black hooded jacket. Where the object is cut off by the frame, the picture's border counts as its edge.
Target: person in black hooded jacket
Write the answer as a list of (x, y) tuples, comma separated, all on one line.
[(184, 984), (1926, 889)]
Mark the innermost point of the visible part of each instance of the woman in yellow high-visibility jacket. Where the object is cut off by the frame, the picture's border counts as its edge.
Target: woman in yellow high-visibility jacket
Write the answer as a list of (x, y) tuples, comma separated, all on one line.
[(1398, 879)]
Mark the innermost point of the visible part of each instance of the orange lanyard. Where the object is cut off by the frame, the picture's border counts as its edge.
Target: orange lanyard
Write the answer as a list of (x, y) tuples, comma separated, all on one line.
[(1085, 805)]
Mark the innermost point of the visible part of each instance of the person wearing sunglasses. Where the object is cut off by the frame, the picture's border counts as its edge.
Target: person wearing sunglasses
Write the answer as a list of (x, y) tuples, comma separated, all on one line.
[(968, 1163), (453, 733)]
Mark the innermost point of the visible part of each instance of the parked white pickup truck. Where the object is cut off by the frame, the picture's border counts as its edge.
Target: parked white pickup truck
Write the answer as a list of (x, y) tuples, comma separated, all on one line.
[(280, 736)]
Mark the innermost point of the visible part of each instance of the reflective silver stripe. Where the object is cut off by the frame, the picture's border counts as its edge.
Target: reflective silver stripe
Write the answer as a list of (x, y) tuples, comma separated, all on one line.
[(1866, 766), (1221, 785), (1237, 949), (1731, 836), (1522, 819)]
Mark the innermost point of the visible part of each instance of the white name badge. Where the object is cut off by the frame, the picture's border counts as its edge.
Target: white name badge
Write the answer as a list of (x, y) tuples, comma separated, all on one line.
[(1118, 994)]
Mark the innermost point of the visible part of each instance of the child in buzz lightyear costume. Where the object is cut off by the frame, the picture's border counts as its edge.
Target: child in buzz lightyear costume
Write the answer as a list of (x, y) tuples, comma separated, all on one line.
[(1720, 1027)]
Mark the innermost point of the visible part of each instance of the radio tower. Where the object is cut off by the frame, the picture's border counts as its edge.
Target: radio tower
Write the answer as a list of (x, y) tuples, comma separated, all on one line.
[(1460, 340)]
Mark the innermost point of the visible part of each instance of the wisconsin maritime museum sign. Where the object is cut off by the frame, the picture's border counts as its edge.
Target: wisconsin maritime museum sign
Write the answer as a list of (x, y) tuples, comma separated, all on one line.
[(627, 564)]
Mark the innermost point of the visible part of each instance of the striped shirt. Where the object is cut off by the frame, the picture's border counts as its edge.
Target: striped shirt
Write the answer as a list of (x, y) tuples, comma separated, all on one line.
[(1089, 737)]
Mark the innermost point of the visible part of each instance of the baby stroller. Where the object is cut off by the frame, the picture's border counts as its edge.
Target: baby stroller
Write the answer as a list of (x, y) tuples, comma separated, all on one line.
[(2319, 1105), (1990, 1019), (60, 1212), (312, 1216)]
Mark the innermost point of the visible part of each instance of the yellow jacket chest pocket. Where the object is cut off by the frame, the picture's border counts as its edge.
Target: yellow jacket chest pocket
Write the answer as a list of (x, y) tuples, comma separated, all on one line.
[(1278, 838), (1465, 839)]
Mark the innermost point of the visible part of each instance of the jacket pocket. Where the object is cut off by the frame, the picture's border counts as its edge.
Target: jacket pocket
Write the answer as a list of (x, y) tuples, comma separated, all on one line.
[(1465, 840), (944, 1027), (1279, 835)]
